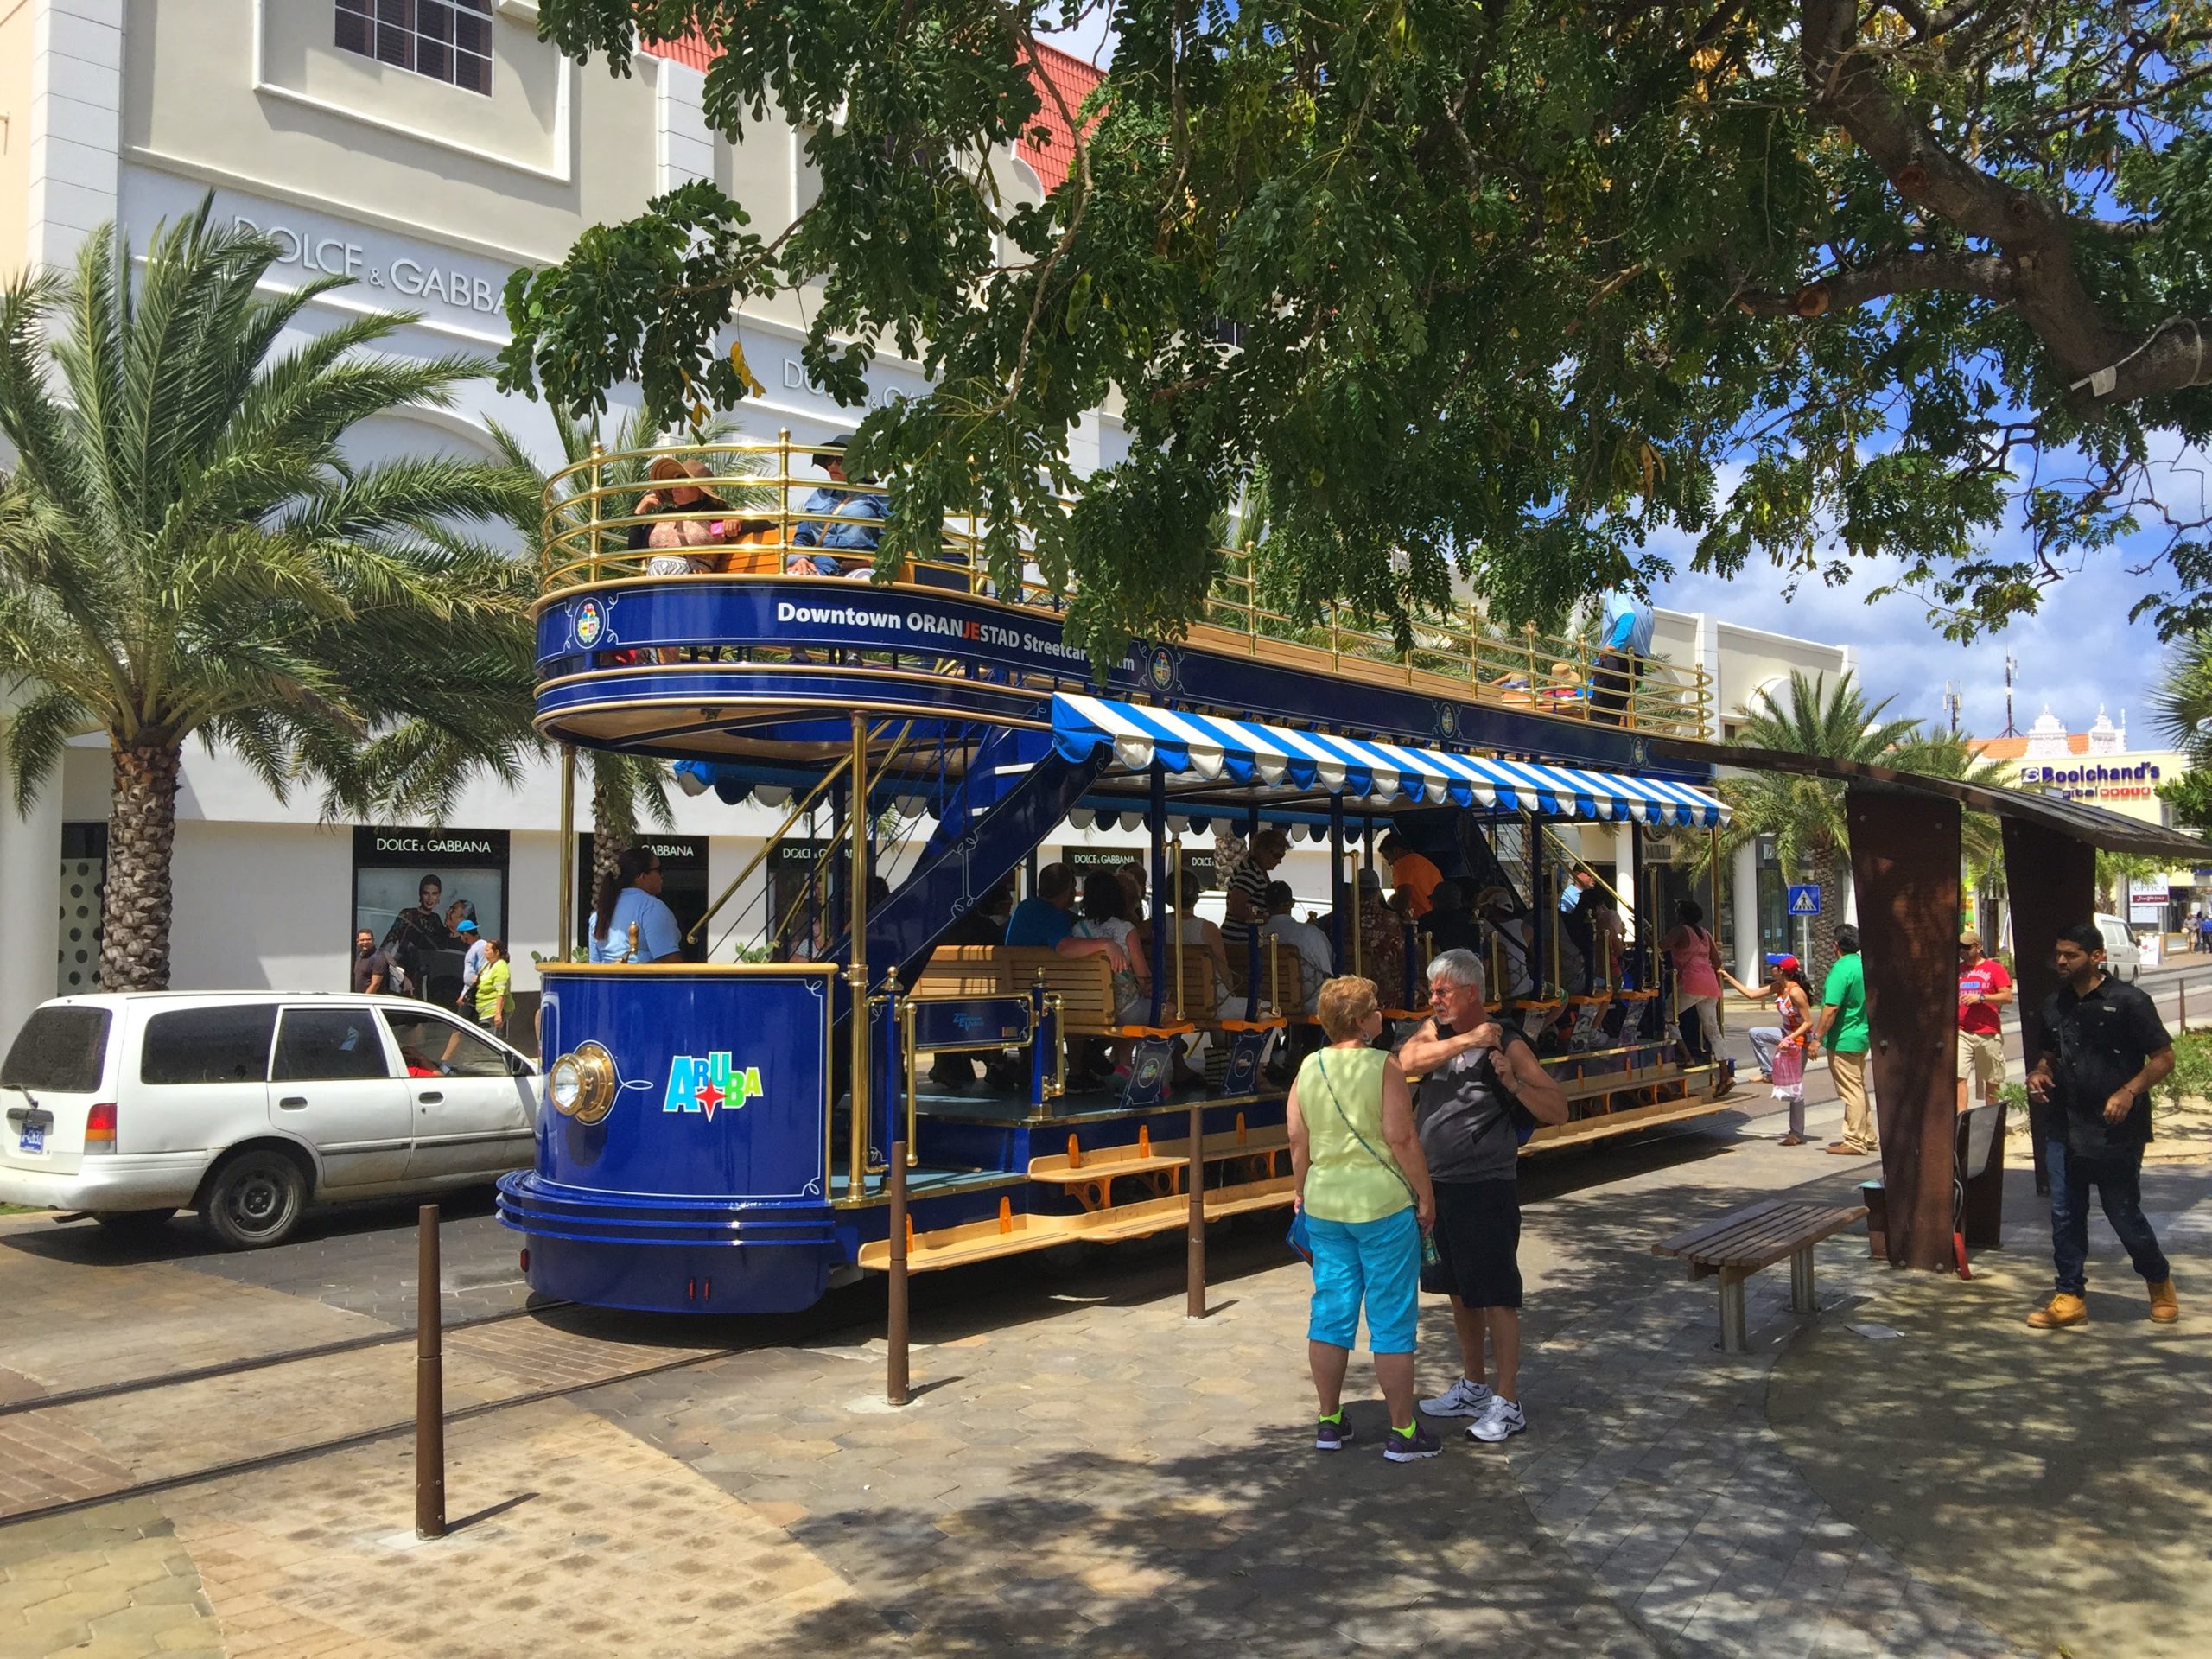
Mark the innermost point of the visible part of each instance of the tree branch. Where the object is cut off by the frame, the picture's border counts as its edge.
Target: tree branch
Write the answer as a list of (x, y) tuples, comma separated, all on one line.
[(2033, 235), (1916, 271)]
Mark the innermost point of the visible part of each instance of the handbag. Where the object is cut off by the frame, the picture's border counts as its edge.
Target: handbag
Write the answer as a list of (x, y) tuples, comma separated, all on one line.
[(1301, 1237)]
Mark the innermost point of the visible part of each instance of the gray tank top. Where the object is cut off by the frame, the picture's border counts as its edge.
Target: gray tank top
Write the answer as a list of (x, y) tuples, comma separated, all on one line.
[(1464, 1114)]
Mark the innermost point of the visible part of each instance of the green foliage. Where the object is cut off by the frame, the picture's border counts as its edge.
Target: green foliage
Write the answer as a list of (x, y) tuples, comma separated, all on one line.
[(1512, 284), (184, 550), (2192, 1073)]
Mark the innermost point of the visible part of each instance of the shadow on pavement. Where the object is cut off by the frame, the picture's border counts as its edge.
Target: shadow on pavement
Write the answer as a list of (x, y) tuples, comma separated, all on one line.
[(2058, 1483)]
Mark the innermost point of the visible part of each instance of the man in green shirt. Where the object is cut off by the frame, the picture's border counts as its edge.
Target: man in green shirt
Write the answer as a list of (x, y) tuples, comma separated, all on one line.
[(1842, 1027)]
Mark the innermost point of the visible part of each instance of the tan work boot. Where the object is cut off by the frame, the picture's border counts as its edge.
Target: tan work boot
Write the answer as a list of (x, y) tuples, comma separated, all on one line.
[(2166, 1306), (2064, 1309)]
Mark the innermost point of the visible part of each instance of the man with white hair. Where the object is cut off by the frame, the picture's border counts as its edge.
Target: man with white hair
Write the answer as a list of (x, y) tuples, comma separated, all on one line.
[(1480, 1083)]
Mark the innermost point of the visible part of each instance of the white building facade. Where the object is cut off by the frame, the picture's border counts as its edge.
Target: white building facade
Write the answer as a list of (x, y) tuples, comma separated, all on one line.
[(427, 162)]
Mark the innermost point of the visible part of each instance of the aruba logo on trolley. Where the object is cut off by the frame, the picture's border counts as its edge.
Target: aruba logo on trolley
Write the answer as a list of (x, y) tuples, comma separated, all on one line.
[(709, 1084)]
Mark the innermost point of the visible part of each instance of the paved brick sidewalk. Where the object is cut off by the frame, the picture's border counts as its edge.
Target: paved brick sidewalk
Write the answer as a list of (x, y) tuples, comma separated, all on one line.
[(1083, 1468)]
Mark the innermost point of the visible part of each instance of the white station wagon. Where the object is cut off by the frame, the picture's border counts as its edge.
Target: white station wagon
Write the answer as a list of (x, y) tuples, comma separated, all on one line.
[(247, 1105)]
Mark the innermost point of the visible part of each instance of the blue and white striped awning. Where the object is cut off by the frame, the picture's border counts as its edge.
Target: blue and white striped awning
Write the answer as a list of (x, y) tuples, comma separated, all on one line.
[(1211, 746)]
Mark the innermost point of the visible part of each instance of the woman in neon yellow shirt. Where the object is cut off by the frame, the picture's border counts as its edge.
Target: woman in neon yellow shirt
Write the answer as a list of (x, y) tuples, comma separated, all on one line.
[(1363, 1192), (491, 988)]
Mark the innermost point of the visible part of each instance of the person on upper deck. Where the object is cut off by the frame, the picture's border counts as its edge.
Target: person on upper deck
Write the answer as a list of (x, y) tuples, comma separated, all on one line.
[(678, 505), (856, 516), (1627, 640)]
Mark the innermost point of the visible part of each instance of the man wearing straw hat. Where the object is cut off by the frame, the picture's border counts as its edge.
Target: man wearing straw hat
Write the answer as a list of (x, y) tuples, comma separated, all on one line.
[(839, 520)]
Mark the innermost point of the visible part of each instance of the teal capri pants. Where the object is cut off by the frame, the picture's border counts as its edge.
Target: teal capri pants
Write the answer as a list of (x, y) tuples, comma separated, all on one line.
[(1376, 1262)]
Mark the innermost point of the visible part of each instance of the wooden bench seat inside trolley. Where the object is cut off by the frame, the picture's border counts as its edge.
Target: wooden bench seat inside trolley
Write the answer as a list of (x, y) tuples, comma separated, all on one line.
[(1083, 985)]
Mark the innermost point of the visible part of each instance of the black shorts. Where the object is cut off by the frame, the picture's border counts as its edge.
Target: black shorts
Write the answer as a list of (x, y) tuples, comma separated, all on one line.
[(1478, 1236)]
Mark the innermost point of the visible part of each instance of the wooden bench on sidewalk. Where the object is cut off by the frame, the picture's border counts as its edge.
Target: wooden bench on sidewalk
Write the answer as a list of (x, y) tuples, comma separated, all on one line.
[(1757, 1235)]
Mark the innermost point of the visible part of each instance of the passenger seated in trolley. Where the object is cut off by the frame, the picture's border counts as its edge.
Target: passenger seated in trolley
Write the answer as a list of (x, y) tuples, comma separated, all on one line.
[(839, 521)]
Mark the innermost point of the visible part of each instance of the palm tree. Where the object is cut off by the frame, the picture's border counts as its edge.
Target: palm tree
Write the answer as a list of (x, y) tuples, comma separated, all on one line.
[(1805, 815), (184, 552), (624, 787)]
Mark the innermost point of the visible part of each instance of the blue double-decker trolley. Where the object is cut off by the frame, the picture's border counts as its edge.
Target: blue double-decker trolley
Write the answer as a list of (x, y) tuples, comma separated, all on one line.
[(717, 1135)]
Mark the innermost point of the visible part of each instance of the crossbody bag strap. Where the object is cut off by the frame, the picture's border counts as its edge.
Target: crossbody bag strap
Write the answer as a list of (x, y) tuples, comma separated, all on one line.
[(1322, 1066)]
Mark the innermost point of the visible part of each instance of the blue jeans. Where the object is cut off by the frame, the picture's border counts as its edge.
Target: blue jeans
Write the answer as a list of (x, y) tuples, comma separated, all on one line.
[(2118, 1176)]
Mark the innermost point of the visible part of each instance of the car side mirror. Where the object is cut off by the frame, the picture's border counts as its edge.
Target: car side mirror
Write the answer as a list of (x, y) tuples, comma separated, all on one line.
[(518, 1066)]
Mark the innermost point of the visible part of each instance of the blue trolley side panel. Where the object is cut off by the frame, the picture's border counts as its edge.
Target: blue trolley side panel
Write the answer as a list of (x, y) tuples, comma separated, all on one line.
[(705, 1188)]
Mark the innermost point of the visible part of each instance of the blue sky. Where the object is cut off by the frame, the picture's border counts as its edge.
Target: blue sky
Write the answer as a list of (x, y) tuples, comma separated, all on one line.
[(2078, 651)]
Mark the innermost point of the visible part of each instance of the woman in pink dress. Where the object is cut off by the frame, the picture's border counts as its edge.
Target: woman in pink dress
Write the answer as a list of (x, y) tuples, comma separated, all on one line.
[(1696, 957)]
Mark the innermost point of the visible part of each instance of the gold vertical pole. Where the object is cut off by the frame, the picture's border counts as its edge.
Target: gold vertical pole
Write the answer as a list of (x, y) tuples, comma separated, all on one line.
[(564, 924), (1712, 871), (598, 479), (784, 483), (906, 1019), (1175, 875), (1358, 915), (856, 971)]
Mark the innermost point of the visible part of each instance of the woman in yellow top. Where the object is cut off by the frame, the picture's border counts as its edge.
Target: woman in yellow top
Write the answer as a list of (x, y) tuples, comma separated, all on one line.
[(1362, 1188), (491, 988)]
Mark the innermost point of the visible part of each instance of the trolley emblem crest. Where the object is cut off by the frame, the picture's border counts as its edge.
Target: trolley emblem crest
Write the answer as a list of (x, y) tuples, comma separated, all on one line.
[(709, 1084), (590, 623)]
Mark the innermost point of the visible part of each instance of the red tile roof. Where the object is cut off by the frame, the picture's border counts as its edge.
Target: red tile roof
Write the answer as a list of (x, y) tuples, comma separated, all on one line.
[(691, 49), (1074, 79), (1054, 69)]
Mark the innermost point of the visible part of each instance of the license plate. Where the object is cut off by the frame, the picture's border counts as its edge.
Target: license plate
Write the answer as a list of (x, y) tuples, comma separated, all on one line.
[(32, 1139)]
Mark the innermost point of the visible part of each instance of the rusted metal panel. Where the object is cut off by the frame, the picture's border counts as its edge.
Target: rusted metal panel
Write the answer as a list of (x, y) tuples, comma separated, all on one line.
[(2052, 882), (1905, 859)]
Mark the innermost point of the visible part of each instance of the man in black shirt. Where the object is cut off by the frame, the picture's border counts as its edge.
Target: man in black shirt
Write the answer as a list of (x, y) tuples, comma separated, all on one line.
[(2103, 1049), (1474, 1072)]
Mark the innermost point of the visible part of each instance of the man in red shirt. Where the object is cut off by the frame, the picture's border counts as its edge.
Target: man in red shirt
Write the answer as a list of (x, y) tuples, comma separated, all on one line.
[(1984, 989)]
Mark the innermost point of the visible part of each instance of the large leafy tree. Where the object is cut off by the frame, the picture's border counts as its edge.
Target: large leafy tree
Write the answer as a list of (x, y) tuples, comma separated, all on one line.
[(184, 552), (1512, 284)]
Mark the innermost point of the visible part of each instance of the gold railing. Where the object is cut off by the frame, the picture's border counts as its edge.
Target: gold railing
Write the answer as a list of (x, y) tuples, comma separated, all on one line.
[(762, 517)]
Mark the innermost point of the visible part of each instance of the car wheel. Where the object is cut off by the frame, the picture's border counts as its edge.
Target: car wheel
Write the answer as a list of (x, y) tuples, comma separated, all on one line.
[(133, 1224), (254, 1201)]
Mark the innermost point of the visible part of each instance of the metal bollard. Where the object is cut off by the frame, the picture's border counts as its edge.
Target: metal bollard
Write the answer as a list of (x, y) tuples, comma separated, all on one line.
[(429, 1383), (1194, 1290), (894, 1382)]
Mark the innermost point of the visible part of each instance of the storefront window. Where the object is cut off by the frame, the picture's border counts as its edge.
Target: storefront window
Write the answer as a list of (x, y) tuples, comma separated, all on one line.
[(413, 888)]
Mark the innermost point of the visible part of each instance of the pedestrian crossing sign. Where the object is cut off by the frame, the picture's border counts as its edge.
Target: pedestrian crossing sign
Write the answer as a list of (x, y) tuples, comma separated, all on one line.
[(1804, 901)]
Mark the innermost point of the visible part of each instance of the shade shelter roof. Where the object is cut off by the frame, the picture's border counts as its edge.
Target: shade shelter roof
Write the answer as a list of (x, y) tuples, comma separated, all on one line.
[(2076, 820), (1210, 746)]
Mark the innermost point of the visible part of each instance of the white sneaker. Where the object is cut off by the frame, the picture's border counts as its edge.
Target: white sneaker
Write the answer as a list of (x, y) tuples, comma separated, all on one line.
[(1462, 1399), (1503, 1418)]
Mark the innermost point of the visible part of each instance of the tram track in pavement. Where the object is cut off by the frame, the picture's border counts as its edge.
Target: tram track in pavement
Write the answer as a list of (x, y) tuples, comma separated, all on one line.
[(83, 1470), (79, 1396)]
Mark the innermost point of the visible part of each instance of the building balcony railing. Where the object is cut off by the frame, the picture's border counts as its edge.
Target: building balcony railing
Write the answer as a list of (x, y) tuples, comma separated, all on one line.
[(747, 509)]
